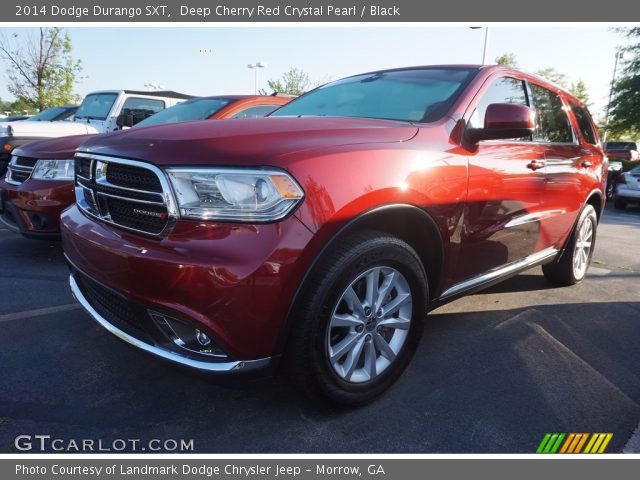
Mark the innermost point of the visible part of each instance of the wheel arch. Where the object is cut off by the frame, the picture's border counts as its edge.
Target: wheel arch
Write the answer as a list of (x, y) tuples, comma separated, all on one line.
[(407, 222)]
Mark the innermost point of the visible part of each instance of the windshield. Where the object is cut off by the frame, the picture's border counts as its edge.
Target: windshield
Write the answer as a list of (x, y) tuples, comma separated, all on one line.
[(416, 95), (96, 106), (197, 109), (620, 146), (47, 115)]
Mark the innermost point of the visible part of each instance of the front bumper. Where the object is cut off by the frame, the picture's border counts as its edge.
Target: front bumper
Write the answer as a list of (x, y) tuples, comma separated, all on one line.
[(233, 282), (158, 351), (33, 208)]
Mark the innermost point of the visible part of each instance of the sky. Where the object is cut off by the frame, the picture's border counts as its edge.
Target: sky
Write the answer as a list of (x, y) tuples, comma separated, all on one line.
[(213, 60)]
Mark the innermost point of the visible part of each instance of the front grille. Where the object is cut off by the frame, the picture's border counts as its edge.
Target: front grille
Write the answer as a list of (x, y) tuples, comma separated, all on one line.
[(125, 193), (139, 216), (19, 169), (133, 177), (115, 308)]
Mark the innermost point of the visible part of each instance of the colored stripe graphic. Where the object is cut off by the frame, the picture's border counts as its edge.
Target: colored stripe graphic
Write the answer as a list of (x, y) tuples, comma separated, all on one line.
[(574, 443)]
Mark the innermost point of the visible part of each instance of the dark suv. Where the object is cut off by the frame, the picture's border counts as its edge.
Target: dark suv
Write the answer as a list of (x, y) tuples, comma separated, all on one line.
[(322, 234)]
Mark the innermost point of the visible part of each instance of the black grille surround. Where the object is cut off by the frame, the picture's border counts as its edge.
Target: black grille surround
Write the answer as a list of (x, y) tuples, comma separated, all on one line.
[(129, 194)]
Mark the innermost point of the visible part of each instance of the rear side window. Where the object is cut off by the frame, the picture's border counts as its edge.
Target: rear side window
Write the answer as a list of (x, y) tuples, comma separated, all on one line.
[(552, 122), (503, 90), (584, 123)]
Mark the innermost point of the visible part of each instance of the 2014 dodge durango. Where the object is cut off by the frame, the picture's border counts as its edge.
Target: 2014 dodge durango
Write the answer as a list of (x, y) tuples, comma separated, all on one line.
[(320, 236)]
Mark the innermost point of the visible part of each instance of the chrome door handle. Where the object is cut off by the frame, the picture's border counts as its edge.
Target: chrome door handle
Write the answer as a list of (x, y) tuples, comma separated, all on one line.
[(586, 164)]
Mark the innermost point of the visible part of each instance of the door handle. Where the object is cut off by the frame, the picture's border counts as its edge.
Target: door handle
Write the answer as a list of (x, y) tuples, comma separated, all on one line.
[(586, 164), (535, 165)]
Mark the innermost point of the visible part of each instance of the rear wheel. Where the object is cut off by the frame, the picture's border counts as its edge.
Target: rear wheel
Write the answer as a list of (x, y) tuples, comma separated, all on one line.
[(360, 320), (575, 260)]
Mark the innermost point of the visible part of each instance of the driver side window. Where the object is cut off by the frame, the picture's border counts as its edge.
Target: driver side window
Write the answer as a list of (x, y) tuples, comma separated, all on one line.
[(503, 90)]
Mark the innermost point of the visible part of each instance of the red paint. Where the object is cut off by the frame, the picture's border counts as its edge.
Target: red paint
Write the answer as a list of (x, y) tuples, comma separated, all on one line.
[(239, 281)]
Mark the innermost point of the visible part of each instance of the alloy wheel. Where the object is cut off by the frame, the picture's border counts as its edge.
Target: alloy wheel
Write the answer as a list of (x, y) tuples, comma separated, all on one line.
[(369, 324), (582, 249)]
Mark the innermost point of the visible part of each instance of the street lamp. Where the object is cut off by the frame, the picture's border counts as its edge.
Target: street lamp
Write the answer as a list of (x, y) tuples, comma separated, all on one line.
[(619, 56), (154, 86), (255, 67), (486, 43)]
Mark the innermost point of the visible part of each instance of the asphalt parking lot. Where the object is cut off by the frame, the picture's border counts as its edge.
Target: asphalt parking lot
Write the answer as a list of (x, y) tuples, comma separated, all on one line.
[(494, 372)]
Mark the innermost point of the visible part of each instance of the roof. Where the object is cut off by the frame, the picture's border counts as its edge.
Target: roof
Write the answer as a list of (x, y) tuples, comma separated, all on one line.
[(160, 93)]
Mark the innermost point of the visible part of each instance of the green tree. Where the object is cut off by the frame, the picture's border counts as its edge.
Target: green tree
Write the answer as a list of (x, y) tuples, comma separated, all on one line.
[(579, 90), (624, 109), (293, 82), (554, 76), (40, 68), (508, 59)]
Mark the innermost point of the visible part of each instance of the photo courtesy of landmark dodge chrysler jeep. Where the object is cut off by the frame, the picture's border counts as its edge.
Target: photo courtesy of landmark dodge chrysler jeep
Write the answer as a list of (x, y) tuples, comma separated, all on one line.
[(319, 237)]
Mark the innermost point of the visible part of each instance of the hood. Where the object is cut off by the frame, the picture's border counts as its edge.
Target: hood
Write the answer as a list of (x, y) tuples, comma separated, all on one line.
[(50, 129), (250, 142), (54, 149)]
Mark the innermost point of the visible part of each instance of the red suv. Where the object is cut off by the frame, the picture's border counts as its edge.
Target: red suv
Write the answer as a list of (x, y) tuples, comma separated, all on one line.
[(322, 234), (39, 182)]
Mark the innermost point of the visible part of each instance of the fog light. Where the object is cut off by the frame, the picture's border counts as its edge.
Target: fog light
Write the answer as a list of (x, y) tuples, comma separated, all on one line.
[(186, 336)]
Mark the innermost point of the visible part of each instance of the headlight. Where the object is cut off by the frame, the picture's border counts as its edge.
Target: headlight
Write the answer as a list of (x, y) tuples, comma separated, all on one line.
[(53, 170), (234, 194)]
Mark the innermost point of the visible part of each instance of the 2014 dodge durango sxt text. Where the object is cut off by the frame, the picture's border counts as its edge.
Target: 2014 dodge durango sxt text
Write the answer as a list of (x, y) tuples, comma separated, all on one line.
[(322, 234)]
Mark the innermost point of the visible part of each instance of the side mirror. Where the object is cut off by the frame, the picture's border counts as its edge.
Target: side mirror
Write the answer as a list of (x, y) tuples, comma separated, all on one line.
[(504, 121), (124, 120)]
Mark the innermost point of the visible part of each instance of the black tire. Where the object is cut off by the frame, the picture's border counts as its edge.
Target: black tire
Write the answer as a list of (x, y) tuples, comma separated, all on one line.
[(619, 204), (610, 190), (307, 355), (562, 272)]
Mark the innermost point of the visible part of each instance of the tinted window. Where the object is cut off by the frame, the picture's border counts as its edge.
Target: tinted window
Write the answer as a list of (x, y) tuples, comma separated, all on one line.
[(96, 106), (256, 112), (503, 90), (141, 108), (419, 95), (620, 146), (198, 109), (47, 115), (552, 122), (584, 123)]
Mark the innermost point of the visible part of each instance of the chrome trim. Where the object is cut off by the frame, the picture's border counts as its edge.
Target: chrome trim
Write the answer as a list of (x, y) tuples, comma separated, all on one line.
[(217, 367), (531, 260), (167, 196), (128, 199)]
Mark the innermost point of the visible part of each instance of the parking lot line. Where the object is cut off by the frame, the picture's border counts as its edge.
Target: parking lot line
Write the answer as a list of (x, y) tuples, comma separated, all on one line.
[(8, 317)]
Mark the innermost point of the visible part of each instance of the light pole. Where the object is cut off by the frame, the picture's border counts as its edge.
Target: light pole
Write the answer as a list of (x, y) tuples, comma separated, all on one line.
[(619, 56), (486, 43), (255, 67), (153, 86)]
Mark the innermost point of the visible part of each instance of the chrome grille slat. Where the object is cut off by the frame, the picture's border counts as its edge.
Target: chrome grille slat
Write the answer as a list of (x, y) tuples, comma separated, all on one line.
[(19, 169), (131, 206)]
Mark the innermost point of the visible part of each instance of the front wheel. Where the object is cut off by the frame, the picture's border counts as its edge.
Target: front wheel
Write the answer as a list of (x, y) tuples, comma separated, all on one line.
[(360, 319), (575, 260)]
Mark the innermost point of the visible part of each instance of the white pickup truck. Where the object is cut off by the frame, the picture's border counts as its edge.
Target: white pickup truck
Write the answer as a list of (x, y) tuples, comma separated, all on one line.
[(99, 112)]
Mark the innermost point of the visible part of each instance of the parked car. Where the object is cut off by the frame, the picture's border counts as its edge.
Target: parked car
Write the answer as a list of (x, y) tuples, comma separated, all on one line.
[(321, 235), (52, 114), (627, 188), (622, 150), (99, 112), (39, 184), (614, 170)]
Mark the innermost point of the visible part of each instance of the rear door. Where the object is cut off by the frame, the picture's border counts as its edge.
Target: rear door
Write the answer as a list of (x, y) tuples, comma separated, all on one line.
[(567, 165)]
